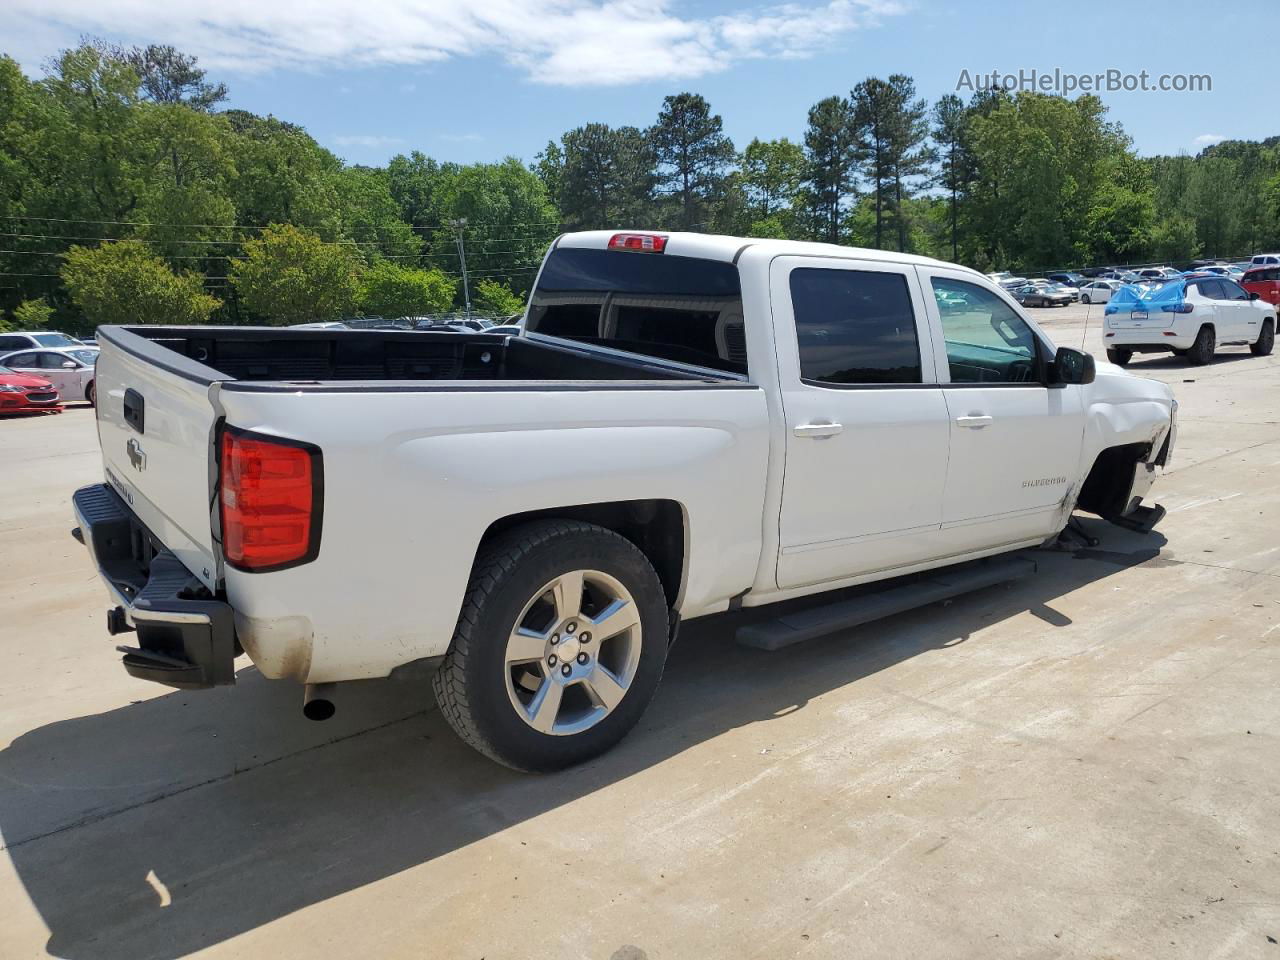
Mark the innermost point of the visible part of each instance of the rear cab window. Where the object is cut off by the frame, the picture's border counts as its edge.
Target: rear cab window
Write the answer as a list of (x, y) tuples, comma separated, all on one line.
[(685, 309)]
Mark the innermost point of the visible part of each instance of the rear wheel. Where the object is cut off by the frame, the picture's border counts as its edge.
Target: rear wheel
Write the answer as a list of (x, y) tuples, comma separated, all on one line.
[(90, 394), (1201, 351), (1265, 342), (559, 646), (1120, 356)]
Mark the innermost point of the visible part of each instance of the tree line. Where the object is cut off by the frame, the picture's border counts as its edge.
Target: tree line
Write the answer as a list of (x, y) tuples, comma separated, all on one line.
[(127, 194)]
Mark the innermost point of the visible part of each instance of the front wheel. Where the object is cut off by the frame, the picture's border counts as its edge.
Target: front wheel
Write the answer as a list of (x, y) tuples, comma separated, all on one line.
[(90, 394), (559, 646), (1120, 356), (1201, 351), (1266, 341), (1085, 299)]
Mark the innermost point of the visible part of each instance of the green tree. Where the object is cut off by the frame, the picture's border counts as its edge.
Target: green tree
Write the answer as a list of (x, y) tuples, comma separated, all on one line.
[(772, 175), (123, 282), (874, 104), (832, 157), (909, 156), (169, 76), (289, 275), (32, 314), (604, 178), (693, 157), (497, 300), (390, 290), (509, 221), (370, 216), (950, 133)]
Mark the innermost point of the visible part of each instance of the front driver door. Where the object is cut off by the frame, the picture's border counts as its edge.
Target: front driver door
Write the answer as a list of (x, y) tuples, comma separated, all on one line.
[(866, 423), (1015, 442)]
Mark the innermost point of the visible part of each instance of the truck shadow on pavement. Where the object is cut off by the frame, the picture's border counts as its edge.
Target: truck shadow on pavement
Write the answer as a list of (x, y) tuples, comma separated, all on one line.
[(181, 821)]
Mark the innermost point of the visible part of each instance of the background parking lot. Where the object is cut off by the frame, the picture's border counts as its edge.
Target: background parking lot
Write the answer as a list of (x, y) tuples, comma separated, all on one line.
[(1078, 764)]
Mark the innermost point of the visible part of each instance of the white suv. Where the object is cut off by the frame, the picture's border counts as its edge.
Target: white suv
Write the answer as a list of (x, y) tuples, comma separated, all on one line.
[(1191, 318), (1266, 260)]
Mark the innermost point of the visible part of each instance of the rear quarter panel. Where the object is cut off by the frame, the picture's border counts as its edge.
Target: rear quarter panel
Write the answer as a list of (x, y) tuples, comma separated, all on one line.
[(414, 477)]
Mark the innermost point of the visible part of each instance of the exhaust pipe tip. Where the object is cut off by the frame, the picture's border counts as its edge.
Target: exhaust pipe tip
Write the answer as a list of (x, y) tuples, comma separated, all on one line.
[(317, 701)]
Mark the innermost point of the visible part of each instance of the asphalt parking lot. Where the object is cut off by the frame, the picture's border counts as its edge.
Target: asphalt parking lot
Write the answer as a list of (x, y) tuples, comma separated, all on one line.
[(1082, 764)]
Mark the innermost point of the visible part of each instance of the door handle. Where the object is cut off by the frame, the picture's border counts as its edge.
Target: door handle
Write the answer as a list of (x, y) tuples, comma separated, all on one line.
[(975, 422), (818, 430)]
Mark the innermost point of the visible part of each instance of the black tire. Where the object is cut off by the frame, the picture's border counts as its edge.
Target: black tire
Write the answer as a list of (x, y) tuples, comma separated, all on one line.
[(1201, 351), (1266, 340), (1120, 356), (471, 684), (90, 394), (1084, 298)]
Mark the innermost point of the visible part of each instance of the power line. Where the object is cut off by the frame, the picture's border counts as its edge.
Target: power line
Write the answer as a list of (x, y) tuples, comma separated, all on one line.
[(236, 226)]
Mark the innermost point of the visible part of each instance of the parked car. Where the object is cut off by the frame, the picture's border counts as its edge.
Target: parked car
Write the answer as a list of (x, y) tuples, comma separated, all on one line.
[(1124, 276), (1099, 291), (1068, 278), (320, 325), (32, 339), (1191, 318), (429, 327), (1158, 273), (25, 393), (71, 370), (507, 329), (1031, 295), (1265, 260), (546, 509), (1265, 282)]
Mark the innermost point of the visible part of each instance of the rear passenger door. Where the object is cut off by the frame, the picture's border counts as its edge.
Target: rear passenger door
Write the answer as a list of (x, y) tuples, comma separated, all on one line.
[(1014, 442), (866, 424)]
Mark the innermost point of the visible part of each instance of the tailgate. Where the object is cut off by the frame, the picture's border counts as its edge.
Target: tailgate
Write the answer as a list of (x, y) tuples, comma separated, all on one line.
[(156, 422)]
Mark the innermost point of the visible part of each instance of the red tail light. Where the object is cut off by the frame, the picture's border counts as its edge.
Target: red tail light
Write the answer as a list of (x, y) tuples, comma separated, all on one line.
[(642, 242), (271, 501)]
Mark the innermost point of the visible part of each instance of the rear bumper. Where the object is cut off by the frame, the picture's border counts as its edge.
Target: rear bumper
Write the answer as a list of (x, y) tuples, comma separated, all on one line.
[(186, 637), (1145, 339)]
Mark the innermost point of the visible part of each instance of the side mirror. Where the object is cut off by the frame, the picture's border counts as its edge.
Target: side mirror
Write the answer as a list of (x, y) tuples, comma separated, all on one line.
[(68, 364), (1073, 366), (1254, 295)]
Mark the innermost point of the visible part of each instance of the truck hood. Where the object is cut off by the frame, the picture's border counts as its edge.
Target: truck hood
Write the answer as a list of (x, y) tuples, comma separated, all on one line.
[(1114, 384)]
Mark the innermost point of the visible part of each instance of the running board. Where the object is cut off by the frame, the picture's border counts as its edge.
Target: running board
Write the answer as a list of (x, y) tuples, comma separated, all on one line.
[(938, 585)]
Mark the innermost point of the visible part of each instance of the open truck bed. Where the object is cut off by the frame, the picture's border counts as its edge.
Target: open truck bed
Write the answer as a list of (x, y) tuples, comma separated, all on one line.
[(273, 355)]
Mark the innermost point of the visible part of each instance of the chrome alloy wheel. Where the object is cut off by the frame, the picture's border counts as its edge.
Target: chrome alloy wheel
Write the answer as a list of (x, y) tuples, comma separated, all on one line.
[(573, 652)]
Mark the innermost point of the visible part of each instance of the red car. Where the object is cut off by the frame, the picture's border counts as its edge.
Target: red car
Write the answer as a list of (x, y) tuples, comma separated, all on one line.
[(1264, 281), (23, 393)]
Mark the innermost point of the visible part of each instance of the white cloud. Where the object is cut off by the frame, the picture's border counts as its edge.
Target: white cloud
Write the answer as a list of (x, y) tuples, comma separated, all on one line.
[(564, 42), (1207, 139), (365, 140), (460, 137)]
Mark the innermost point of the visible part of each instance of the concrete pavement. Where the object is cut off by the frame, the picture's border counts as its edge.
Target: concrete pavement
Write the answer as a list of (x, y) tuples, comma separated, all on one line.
[(1082, 764)]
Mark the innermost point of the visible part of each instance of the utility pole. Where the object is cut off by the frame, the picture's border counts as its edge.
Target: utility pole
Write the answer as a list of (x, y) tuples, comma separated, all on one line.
[(459, 225)]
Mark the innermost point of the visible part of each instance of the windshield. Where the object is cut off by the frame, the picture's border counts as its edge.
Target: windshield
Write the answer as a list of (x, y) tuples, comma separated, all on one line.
[(54, 340), (85, 355), (676, 308)]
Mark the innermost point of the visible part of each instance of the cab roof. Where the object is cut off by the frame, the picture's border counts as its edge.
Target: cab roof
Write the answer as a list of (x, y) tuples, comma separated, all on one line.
[(710, 246)]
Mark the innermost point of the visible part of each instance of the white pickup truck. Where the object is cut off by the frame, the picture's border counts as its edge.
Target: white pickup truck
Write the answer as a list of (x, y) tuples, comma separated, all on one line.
[(689, 424)]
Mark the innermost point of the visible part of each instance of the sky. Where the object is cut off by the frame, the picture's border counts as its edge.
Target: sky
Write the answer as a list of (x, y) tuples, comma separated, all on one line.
[(478, 80)]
